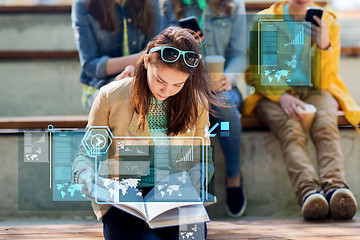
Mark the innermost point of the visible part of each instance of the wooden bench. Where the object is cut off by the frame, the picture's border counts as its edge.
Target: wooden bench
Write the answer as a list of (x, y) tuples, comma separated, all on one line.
[(80, 121), (72, 54), (42, 122), (254, 123), (66, 8)]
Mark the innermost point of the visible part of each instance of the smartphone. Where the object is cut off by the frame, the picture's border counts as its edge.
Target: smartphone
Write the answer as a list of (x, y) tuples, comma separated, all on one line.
[(313, 11), (190, 23)]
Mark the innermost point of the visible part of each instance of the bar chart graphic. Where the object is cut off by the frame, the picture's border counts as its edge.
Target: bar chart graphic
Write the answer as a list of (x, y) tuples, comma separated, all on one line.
[(298, 39)]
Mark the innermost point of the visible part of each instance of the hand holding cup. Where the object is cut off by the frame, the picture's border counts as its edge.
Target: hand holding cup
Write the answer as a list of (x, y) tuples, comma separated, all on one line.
[(215, 67), (307, 116)]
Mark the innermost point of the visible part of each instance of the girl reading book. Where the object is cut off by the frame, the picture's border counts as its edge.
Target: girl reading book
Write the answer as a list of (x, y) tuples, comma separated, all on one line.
[(170, 95)]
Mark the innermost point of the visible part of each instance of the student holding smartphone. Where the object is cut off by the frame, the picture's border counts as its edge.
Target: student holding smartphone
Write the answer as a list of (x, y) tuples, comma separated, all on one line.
[(327, 194), (110, 38), (223, 25)]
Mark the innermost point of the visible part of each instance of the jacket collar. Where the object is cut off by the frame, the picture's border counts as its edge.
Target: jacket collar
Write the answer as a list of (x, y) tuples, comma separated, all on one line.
[(278, 8)]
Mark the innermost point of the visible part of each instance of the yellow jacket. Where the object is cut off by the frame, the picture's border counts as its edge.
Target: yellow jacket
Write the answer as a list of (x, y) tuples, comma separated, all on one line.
[(113, 108), (330, 79)]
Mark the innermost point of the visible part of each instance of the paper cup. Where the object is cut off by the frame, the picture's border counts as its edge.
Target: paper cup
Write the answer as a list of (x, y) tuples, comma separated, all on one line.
[(308, 116), (215, 67)]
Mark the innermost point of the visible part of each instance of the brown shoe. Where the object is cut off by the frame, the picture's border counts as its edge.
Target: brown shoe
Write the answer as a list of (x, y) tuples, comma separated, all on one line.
[(315, 207), (342, 204)]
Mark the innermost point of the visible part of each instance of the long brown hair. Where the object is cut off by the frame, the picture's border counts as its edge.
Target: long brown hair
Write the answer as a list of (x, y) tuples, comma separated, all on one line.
[(218, 6), (182, 108), (141, 13)]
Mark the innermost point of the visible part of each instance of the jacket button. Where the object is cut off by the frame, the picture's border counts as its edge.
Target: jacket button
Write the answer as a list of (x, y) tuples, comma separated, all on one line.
[(129, 20), (133, 42)]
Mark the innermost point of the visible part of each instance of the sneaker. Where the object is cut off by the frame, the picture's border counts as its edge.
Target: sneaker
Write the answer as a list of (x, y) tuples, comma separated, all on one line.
[(235, 201), (342, 203), (315, 207)]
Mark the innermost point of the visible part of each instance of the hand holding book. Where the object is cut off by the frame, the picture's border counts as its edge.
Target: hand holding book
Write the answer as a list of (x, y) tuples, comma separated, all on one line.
[(161, 206)]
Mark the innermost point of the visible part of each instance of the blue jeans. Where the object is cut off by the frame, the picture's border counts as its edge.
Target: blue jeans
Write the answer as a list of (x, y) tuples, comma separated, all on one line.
[(230, 141)]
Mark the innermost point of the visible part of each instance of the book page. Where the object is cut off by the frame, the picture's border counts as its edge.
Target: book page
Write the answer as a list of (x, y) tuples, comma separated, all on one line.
[(182, 215), (155, 209), (173, 191), (136, 209), (123, 195)]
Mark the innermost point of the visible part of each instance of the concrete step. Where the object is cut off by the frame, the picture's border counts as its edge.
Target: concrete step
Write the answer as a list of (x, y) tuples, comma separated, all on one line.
[(31, 88), (266, 181), (42, 31)]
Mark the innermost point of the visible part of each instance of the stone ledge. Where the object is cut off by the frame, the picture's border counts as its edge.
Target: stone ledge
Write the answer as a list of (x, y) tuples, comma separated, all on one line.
[(267, 185), (266, 182)]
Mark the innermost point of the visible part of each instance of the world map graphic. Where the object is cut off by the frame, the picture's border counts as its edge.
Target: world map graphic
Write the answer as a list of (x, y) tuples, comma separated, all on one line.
[(69, 190)]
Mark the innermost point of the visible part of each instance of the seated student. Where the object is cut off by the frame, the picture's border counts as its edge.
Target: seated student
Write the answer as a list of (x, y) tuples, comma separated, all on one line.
[(110, 38), (170, 95), (223, 24), (279, 110)]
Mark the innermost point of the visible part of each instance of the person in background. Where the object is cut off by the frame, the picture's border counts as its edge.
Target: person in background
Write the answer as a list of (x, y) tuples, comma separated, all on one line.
[(223, 25), (169, 95), (280, 111), (110, 37)]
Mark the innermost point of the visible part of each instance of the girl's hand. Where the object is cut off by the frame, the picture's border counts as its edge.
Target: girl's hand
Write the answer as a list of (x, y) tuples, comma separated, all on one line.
[(320, 34), (224, 84), (197, 36), (128, 72), (86, 178), (290, 104)]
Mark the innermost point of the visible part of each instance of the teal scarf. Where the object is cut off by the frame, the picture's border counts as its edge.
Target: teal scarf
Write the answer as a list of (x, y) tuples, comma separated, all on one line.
[(202, 5)]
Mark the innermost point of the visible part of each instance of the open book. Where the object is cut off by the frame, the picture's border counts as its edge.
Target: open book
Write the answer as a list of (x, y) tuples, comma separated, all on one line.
[(174, 201)]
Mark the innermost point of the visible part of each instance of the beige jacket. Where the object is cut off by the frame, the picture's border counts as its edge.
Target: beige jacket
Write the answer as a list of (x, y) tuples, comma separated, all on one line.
[(113, 108)]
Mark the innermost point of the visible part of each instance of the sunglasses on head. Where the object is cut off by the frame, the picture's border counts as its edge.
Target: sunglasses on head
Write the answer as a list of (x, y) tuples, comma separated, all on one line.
[(171, 54)]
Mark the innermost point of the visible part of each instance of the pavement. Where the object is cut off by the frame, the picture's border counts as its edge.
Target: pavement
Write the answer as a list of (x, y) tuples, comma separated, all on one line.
[(241, 228)]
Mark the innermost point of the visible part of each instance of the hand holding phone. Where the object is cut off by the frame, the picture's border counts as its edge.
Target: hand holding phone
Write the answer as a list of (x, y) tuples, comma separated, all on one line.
[(192, 24), (311, 12), (319, 30)]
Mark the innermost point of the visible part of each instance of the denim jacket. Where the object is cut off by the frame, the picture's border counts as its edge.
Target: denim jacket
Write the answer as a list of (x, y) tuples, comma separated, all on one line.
[(96, 45), (224, 34)]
